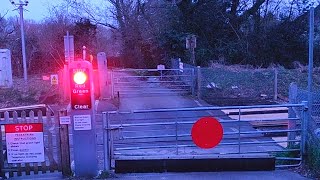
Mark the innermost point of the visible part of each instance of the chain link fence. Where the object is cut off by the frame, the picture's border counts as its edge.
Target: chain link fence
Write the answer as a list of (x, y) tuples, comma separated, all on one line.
[(313, 129), (186, 71)]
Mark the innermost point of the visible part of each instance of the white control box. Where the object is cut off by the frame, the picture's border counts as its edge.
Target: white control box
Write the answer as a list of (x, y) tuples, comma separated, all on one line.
[(5, 68)]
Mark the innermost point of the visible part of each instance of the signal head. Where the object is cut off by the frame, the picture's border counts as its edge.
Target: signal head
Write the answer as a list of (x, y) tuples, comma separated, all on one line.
[(80, 77)]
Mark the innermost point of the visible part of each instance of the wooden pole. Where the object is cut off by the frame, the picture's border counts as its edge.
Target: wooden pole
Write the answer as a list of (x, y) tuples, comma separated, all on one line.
[(1, 159), (64, 146)]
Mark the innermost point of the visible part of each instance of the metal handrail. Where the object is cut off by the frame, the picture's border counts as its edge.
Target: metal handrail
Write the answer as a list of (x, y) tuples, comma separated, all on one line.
[(203, 108), (226, 133), (163, 76), (149, 70), (191, 122)]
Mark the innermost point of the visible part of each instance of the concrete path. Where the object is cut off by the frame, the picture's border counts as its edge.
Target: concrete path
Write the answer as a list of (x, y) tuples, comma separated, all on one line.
[(243, 175), (46, 176)]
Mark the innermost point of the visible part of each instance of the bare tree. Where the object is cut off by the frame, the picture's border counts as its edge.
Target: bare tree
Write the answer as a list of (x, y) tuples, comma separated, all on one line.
[(7, 28)]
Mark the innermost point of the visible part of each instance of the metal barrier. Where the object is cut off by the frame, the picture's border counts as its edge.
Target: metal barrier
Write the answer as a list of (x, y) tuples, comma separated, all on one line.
[(151, 81), (165, 133)]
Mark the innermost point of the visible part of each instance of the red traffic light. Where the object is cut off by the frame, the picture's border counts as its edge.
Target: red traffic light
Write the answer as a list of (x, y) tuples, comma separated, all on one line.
[(81, 95), (80, 77)]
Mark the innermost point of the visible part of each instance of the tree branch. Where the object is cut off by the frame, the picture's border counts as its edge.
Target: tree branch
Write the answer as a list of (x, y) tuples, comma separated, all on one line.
[(251, 11)]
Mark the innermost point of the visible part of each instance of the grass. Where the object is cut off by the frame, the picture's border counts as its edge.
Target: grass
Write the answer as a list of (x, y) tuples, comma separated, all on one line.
[(23, 93), (106, 175), (288, 154), (11, 97), (243, 82), (314, 159)]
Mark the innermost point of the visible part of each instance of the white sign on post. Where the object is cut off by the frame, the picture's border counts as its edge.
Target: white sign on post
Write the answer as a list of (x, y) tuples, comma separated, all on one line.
[(24, 143), (65, 120), (181, 66), (54, 79), (161, 67), (82, 122)]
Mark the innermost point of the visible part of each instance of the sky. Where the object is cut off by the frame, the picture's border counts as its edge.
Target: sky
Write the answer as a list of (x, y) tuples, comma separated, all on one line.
[(37, 9)]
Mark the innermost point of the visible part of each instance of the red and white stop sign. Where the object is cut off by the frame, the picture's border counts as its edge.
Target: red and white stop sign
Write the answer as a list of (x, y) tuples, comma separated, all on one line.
[(207, 132)]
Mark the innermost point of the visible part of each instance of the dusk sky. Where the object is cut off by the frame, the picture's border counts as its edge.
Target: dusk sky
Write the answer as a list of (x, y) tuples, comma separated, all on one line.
[(37, 9)]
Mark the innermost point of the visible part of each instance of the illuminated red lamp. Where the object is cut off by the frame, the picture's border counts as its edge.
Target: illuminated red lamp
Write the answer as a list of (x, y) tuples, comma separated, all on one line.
[(80, 77)]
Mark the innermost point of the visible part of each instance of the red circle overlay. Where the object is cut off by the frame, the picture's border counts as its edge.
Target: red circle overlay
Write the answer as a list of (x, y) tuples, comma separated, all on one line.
[(207, 132)]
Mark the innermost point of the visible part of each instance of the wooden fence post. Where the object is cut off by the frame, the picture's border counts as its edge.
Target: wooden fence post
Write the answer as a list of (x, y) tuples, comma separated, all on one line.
[(1, 159), (2, 155), (64, 146)]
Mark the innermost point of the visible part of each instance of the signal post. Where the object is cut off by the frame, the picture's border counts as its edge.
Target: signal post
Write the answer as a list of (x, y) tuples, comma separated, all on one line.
[(83, 120)]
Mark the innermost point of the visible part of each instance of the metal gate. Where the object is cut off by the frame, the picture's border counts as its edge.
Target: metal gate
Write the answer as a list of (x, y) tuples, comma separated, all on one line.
[(152, 81), (165, 133)]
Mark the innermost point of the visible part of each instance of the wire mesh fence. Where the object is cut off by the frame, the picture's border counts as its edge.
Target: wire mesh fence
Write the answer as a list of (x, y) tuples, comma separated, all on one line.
[(314, 122), (313, 128), (185, 71)]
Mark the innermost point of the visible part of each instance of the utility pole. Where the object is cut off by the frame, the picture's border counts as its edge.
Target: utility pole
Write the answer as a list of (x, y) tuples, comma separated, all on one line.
[(191, 44), (20, 5), (310, 71)]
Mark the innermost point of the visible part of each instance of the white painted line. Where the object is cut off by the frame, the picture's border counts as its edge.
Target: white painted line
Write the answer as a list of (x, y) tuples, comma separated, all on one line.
[(198, 103), (234, 129), (283, 144), (211, 113)]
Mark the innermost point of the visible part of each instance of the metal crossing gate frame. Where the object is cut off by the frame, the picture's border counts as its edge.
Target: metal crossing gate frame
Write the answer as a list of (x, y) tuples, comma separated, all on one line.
[(152, 81), (165, 134)]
